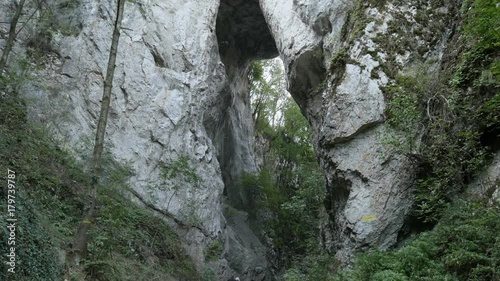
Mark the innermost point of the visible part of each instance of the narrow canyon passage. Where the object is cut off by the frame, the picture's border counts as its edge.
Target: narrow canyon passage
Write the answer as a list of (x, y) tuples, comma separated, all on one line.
[(264, 142), (261, 139), (243, 36)]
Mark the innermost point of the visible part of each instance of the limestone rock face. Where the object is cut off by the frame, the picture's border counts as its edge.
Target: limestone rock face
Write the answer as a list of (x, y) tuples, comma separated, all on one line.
[(338, 55), (181, 92), (487, 183), (159, 97)]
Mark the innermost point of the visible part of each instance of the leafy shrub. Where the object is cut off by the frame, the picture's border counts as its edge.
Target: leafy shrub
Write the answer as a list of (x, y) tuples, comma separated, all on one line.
[(314, 266), (53, 17), (440, 132), (178, 171), (213, 250), (36, 255), (464, 246), (450, 132)]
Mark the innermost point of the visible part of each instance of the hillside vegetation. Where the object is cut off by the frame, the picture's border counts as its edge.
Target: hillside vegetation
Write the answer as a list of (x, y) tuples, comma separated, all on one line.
[(127, 241)]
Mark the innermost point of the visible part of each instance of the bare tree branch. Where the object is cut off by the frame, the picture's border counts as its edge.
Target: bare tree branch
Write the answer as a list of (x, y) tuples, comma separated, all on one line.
[(12, 36)]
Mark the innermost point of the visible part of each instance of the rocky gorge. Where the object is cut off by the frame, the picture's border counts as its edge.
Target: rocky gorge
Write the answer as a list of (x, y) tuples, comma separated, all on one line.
[(181, 94)]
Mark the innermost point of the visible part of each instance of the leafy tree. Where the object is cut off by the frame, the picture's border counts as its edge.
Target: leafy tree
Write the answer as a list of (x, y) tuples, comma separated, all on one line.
[(268, 92), (483, 23), (291, 186)]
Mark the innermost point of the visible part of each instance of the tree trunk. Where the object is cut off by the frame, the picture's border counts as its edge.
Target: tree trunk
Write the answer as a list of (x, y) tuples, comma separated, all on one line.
[(12, 36), (81, 239)]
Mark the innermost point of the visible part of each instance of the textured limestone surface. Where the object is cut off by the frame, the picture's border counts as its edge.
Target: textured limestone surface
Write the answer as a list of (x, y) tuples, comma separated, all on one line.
[(338, 56), (159, 96), (171, 95), (181, 90), (487, 183)]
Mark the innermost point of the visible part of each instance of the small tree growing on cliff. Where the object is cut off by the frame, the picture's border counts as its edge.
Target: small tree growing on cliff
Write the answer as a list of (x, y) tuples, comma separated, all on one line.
[(172, 175), (12, 36), (81, 238)]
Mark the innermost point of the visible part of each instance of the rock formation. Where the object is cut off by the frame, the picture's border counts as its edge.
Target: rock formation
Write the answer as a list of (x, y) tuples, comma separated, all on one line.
[(336, 55), (181, 90)]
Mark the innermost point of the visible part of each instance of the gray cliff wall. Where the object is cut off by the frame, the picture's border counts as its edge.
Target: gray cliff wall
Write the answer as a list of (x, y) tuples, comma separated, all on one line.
[(181, 89), (338, 57), (178, 92)]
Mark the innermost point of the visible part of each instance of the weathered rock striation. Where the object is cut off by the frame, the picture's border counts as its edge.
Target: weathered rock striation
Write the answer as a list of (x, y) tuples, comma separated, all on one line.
[(181, 90), (172, 99)]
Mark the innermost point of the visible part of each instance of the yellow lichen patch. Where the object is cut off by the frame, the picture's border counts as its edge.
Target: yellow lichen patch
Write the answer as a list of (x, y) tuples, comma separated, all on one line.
[(368, 218)]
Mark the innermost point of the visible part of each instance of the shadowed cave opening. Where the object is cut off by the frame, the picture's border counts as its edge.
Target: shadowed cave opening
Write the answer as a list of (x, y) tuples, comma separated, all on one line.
[(245, 42), (243, 36)]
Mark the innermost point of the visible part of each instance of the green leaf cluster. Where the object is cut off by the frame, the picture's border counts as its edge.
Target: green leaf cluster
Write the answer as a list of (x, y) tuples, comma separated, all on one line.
[(480, 64), (450, 131), (180, 168), (36, 257), (464, 246), (52, 17), (290, 187), (440, 130), (314, 266), (213, 250)]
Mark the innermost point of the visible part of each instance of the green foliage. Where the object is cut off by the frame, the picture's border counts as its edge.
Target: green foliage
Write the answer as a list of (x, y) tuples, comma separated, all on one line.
[(173, 174), (449, 122), (338, 61), (25, 150), (405, 111), (256, 71), (132, 233), (53, 17), (290, 186), (180, 168), (490, 111), (190, 215), (482, 23), (439, 128), (267, 94), (127, 242), (39, 45), (315, 266), (479, 65), (36, 257), (478, 69), (213, 250), (463, 247)]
